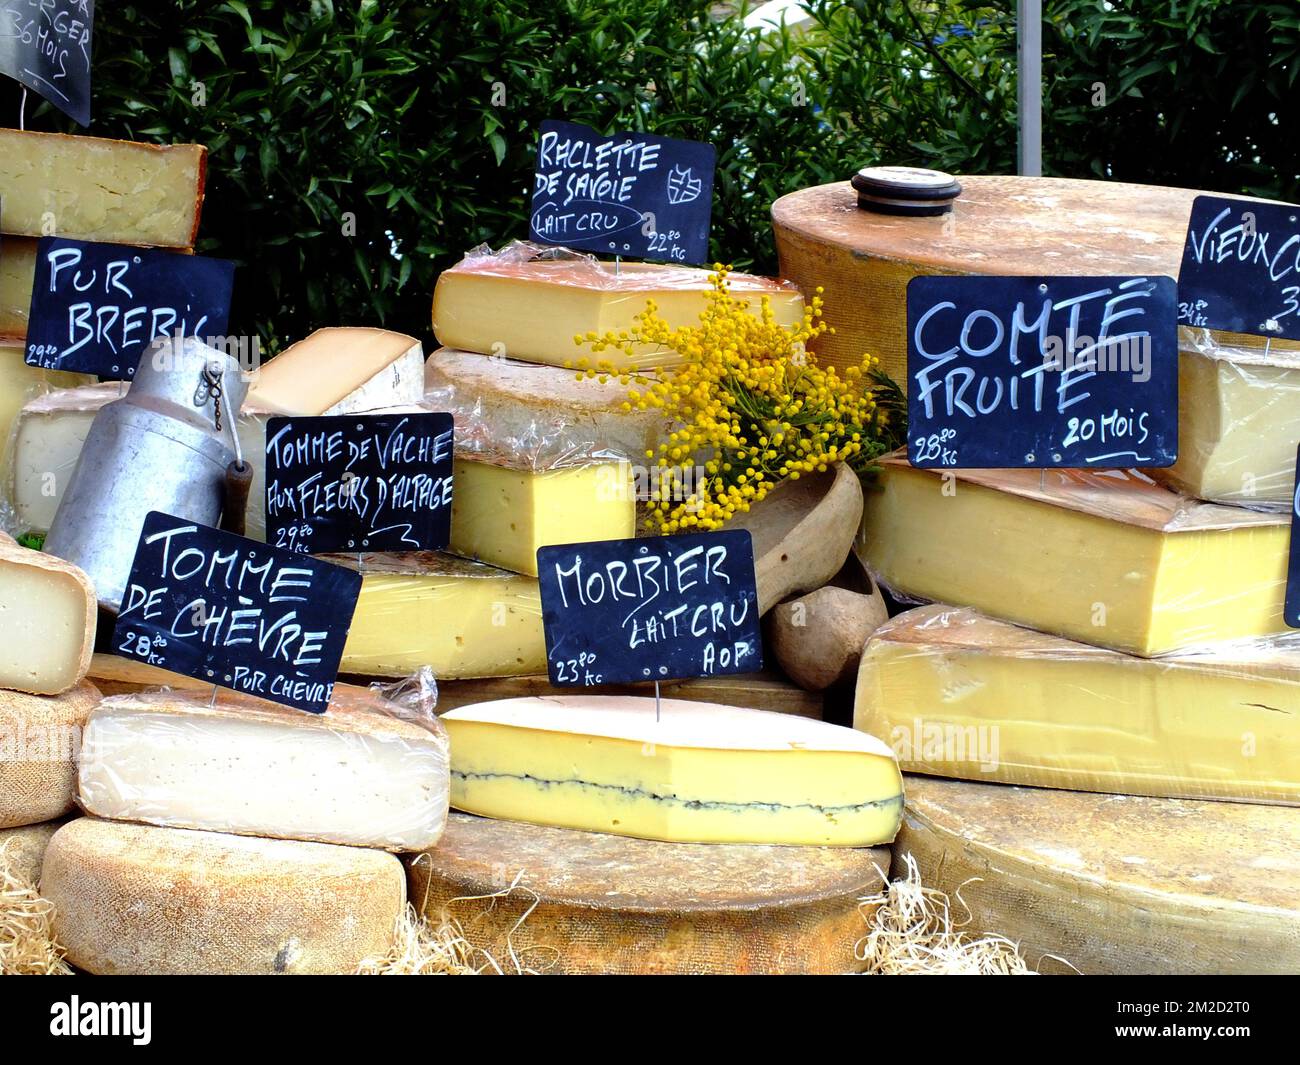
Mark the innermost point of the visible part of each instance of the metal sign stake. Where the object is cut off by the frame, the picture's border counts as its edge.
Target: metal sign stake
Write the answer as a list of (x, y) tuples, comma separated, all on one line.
[(656, 702), (22, 110)]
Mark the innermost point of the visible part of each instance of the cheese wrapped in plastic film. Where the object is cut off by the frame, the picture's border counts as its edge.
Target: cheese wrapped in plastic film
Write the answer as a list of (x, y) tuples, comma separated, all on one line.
[(1106, 557), (372, 771), (956, 694)]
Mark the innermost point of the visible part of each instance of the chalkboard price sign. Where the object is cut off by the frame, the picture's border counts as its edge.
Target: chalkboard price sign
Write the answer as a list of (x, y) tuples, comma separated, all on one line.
[(632, 194), (1241, 267), (360, 482), (656, 608), (45, 44), (238, 613), (96, 307), (1037, 372)]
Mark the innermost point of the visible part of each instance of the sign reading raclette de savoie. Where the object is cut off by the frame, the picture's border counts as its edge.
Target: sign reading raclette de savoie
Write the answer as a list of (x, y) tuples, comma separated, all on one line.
[(1037, 372)]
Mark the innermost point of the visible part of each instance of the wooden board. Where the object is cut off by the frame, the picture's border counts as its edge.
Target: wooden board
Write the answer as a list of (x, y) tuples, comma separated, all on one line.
[(585, 902)]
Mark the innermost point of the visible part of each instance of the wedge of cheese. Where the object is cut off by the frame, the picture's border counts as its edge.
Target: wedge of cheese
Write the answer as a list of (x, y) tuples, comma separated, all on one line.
[(47, 621), (532, 308), (113, 675), (956, 694), (587, 903), (1108, 884), (40, 739), (1105, 557), (17, 273), (541, 413), (22, 850), (91, 188), (682, 772), (501, 513), (137, 899), (460, 618), (341, 370), (20, 382), (360, 774)]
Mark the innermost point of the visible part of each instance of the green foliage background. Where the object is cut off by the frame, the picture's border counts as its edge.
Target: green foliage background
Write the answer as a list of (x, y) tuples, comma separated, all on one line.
[(385, 112)]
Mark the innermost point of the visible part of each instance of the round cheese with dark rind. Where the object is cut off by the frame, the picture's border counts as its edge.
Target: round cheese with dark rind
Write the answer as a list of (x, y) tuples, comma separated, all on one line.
[(586, 902), (1112, 884), (137, 899)]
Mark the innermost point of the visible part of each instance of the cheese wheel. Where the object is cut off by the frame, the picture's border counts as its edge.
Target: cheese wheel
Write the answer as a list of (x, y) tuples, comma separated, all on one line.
[(590, 903), (40, 739), (135, 899), (1113, 884), (22, 850)]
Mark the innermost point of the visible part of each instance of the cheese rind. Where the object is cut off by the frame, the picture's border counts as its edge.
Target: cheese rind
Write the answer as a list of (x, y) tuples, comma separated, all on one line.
[(40, 739), (1160, 572), (17, 275), (341, 370), (22, 850), (92, 188), (1111, 884), (512, 305), (359, 774), (137, 899), (956, 694), (460, 618), (566, 902), (20, 382), (47, 621), (673, 770)]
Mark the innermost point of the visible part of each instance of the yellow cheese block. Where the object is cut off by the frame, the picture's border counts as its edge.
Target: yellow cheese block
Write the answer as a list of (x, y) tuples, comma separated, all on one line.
[(678, 771), (40, 741), (531, 309), (1113, 884), (587, 903), (48, 612), (956, 694), (20, 382), (17, 272), (460, 618), (90, 188), (1105, 557), (501, 514)]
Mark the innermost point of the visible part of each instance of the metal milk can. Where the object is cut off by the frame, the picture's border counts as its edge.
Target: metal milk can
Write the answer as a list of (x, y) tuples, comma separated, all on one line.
[(166, 445)]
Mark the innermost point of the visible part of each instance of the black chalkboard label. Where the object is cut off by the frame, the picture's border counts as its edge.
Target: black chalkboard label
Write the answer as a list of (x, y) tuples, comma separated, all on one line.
[(238, 613), (359, 482), (632, 194), (656, 608), (45, 44), (1036, 372), (1241, 267), (96, 307)]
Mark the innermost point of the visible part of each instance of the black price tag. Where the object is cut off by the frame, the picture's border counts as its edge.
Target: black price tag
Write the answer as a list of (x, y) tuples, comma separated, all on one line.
[(45, 44), (359, 482), (1036, 372), (632, 194), (657, 608), (235, 612), (1241, 267), (96, 307)]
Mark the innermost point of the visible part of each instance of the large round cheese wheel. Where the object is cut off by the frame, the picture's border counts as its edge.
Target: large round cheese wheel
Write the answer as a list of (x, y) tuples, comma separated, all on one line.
[(136, 899), (22, 850), (610, 904), (40, 738), (1113, 884)]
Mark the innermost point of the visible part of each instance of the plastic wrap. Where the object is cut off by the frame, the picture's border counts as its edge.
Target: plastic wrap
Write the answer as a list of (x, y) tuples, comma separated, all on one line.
[(957, 694), (1106, 557), (1111, 884), (528, 302), (460, 618), (372, 771)]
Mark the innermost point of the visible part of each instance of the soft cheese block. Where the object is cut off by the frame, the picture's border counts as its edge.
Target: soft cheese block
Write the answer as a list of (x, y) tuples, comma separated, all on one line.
[(460, 618), (22, 850), (20, 382), (17, 273), (501, 512), (47, 621), (1112, 884), (678, 771), (341, 370), (360, 774), (1105, 557), (141, 900), (587, 903), (40, 737), (956, 694), (532, 308), (544, 413), (91, 188)]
